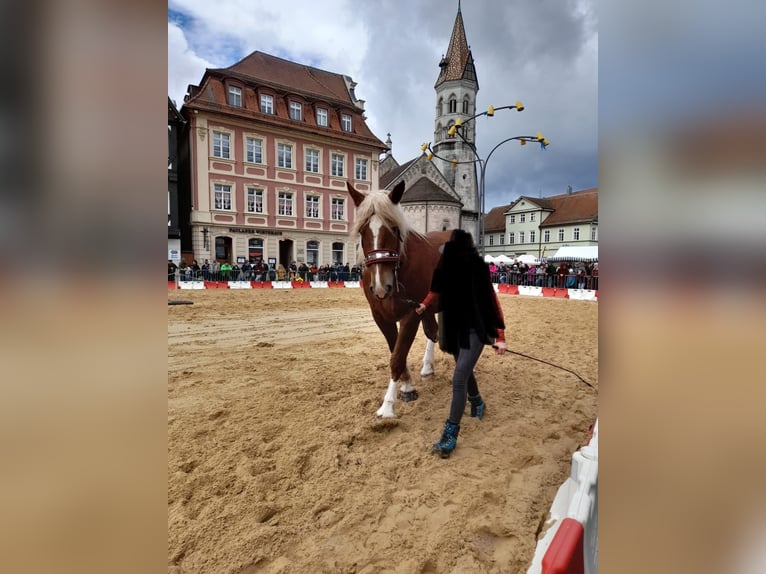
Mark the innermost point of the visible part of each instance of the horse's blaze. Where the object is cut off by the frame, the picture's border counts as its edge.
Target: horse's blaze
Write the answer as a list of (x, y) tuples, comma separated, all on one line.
[(381, 276)]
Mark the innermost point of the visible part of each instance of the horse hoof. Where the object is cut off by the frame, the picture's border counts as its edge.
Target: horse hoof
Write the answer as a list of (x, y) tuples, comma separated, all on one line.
[(408, 396), (426, 372)]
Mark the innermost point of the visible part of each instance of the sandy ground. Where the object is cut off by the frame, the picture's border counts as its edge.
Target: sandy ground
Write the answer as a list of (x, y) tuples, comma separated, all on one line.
[(276, 463)]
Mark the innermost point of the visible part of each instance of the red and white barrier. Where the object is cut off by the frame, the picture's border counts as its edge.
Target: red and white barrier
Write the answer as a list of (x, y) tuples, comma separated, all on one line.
[(523, 290), (570, 545)]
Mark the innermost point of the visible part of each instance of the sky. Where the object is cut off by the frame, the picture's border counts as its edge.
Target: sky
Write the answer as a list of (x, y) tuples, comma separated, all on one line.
[(542, 52)]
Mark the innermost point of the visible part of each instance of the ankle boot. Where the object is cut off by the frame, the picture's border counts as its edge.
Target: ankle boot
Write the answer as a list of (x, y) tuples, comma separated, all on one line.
[(446, 444), (477, 406)]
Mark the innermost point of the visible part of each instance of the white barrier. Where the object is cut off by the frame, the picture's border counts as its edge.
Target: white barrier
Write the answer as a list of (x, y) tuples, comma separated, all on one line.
[(576, 504), (530, 291), (319, 284), (281, 285), (191, 284), (352, 284), (582, 294), (240, 285)]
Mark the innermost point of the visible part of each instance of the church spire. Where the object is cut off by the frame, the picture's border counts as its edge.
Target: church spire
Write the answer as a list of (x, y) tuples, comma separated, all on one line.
[(457, 64)]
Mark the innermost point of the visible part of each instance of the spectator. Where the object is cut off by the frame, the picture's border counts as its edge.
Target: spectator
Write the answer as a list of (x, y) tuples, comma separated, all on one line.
[(561, 274), (540, 275), (594, 277), (172, 270), (281, 272), (195, 270), (206, 270), (225, 271), (580, 273), (216, 269), (550, 274), (303, 271), (292, 271)]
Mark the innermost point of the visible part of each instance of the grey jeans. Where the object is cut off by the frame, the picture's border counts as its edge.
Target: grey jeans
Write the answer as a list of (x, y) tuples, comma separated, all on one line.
[(463, 379)]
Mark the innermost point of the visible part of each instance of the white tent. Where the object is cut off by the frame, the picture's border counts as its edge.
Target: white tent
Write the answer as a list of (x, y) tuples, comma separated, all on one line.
[(489, 259), (571, 253), (528, 259), (502, 258)]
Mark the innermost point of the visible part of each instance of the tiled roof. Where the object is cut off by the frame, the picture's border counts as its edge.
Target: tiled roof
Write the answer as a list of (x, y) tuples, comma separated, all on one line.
[(568, 208), (386, 178), (283, 78), (458, 62), (424, 190), (494, 221)]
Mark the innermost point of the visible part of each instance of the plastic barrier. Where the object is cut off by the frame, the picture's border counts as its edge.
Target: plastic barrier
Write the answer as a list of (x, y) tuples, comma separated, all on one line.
[(582, 294), (530, 291), (318, 284), (191, 285), (240, 285), (555, 292), (334, 284), (281, 284), (570, 545)]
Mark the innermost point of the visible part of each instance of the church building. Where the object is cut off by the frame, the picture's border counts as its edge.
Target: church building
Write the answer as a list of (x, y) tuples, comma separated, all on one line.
[(439, 196)]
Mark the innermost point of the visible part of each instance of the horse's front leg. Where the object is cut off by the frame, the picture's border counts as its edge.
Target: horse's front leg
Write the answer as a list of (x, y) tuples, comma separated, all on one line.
[(408, 328), (391, 333), (431, 330)]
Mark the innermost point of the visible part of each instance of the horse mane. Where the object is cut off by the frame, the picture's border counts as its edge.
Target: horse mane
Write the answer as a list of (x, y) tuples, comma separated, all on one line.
[(378, 203)]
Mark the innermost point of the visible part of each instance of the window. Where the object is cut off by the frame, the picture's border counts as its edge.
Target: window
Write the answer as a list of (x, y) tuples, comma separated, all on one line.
[(345, 122), (502, 238), (321, 117), (531, 236), (593, 234), (513, 219), (254, 200), (312, 253), (255, 249), (547, 236), (253, 150), (337, 253), (235, 96), (491, 240), (452, 105), (511, 238), (531, 217), (222, 199), (285, 203), (312, 160), (337, 208), (296, 111), (465, 106), (522, 217), (576, 234), (312, 206), (337, 165), (267, 104), (284, 155), (361, 169), (561, 235), (521, 237), (221, 145)]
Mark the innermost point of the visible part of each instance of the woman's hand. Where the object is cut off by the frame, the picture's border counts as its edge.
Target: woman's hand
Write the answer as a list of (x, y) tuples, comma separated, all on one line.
[(499, 347), (420, 309)]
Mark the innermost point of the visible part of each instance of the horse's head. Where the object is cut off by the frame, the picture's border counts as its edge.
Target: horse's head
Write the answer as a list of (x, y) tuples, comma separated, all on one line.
[(382, 229)]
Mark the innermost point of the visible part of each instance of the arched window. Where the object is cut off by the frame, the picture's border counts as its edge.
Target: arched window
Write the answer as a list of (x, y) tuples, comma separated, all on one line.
[(440, 107), (337, 253), (452, 105), (255, 249), (223, 249), (465, 105)]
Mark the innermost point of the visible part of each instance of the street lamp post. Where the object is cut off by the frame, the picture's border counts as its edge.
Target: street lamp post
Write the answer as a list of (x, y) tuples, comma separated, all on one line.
[(457, 128)]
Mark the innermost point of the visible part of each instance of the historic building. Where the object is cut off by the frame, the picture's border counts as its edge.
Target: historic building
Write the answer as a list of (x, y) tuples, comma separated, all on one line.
[(540, 225), (175, 129), (440, 195), (272, 144)]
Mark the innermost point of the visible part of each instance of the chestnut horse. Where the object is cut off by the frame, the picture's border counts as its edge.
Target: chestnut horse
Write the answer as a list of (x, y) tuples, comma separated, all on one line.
[(398, 264)]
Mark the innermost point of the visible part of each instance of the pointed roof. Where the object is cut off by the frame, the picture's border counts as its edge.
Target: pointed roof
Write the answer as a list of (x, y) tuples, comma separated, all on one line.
[(424, 190), (458, 63)]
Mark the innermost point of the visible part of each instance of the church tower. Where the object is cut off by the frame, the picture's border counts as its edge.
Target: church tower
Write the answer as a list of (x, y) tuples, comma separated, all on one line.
[(456, 89)]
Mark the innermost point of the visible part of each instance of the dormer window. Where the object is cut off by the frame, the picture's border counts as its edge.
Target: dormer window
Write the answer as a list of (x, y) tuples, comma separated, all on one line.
[(321, 117), (235, 96), (267, 104), (296, 111), (345, 122)]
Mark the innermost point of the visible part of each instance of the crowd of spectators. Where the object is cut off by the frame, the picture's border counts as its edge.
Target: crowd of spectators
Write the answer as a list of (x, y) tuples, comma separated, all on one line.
[(257, 270), (564, 275)]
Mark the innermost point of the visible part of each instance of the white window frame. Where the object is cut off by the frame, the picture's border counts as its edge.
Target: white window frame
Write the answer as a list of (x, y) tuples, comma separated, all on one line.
[(308, 165), (257, 195), (532, 236), (313, 206), (322, 117), (594, 233), (338, 209), (547, 236), (532, 217), (511, 238), (267, 104), (313, 260), (296, 111), (491, 240), (234, 93), (513, 218), (284, 155), (285, 203), (337, 164), (521, 238), (522, 217), (345, 123), (360, 169), (502, 238), (252, 150), (224, 151), (225, 189), (561, 234), (576, 234)]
